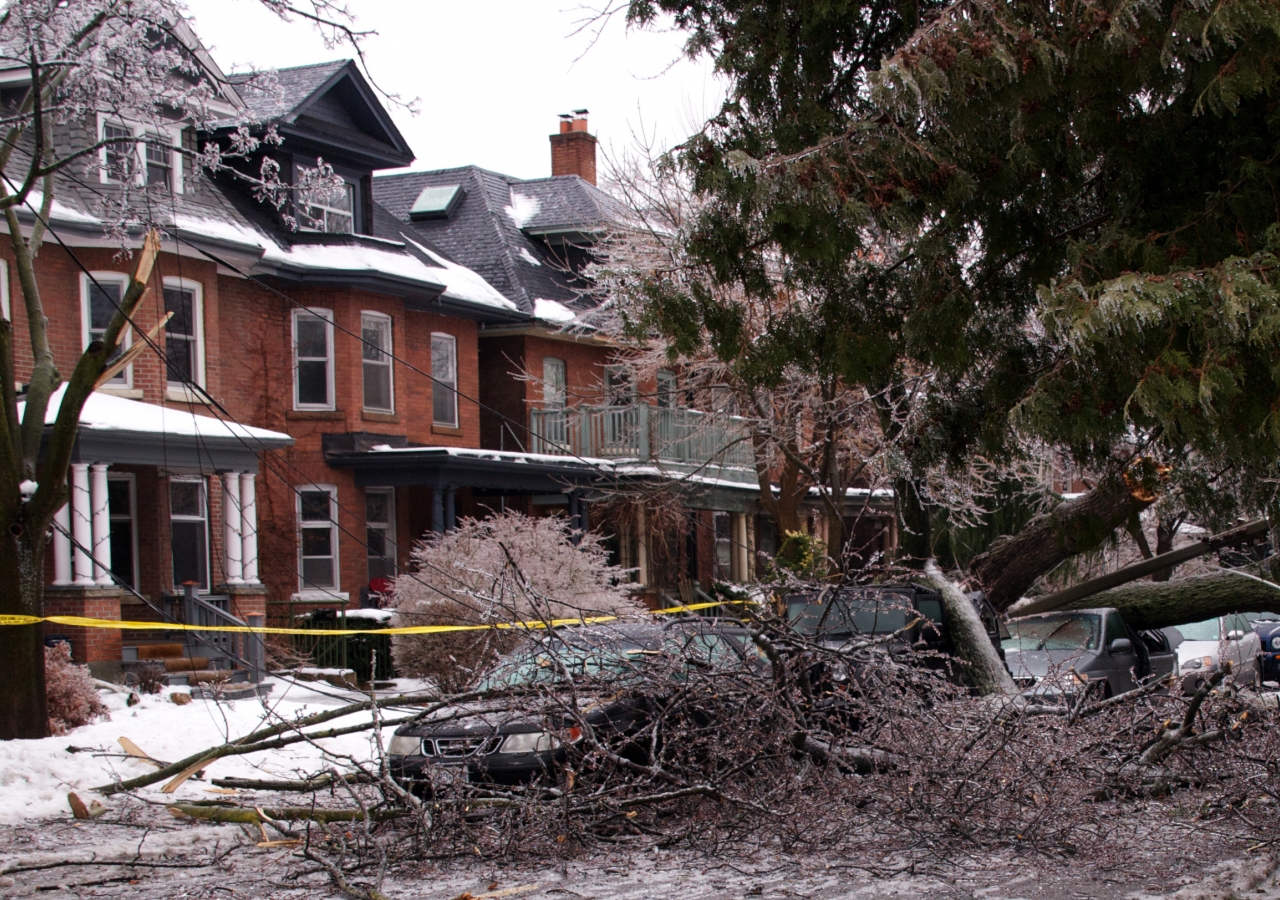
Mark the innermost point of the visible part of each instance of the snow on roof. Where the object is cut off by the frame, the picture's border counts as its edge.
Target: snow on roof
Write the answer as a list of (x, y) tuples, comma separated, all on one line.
[(504, 455), (60, 211), (221, 230), (529, 257), (552, 311), (462, 283), (522, 208), (105, 412)]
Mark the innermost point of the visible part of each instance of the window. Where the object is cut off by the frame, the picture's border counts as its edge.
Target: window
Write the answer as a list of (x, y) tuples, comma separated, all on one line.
[(4, 290), (101, 295), (375, 329), (617, 386), (189, 532), (318, 537), (380, 528), (554, 390), (159, 158), (334, 213), (119, 159), (667, 388), (184, 335), (444, 372), (313, 359), (124, 530)]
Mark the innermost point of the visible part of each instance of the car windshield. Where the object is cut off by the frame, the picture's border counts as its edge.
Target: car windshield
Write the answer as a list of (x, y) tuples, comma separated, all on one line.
[(1262, 617), (547, 662), (843, 614), (1200, 631), (1077, 631)]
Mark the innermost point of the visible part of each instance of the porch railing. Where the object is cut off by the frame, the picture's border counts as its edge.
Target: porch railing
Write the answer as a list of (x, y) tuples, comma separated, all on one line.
[(232, 648), (688, 438)]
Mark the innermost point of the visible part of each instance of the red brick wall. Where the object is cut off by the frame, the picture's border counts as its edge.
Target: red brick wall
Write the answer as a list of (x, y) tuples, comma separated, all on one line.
[(87, 644), (574, 153)]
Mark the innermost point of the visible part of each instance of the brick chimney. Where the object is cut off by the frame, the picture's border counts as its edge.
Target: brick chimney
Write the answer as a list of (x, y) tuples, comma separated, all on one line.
[(573, 150)]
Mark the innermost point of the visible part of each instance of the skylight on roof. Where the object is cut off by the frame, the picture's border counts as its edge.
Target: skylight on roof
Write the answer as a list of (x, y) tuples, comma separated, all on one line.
[(436, 202)]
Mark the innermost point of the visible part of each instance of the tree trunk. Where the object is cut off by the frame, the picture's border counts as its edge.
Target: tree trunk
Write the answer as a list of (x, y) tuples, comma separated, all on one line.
[(986, 671), (1166, 528), (915, 538), (1014, 563), (23, 709), (1156, 604)]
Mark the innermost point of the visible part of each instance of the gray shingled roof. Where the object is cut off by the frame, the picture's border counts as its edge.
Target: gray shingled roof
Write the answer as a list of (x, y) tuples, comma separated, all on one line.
[(292, 87), (494, 228)]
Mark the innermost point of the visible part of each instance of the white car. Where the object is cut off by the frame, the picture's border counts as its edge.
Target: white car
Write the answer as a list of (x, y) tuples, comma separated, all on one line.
[(1204, 646)]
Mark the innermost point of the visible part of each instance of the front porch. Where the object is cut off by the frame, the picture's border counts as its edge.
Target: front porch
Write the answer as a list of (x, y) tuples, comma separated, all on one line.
[(163, 508)]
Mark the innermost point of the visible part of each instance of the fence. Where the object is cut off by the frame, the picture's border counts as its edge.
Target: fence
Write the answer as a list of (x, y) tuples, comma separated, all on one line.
[(357, 652)]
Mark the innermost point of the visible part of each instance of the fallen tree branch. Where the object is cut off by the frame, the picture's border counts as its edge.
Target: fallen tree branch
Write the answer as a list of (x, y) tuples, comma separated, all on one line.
[(311, 784), (259, 815)]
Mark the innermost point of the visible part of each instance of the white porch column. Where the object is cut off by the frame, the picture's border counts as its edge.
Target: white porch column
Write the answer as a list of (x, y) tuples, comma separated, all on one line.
[(231, 548), (62, 545), (740, 547), (101, 524), (642, 548), (81, 523), (249, 527)]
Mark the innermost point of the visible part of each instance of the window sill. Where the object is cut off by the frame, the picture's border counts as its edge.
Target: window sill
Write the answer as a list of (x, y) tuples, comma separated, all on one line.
[(321, 597), (119, 391), (329, 414), (389, 418), (446, 429), (182, 395)]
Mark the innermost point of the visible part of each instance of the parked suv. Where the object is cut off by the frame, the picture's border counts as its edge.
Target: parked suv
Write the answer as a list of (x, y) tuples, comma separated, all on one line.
[(1059, 654)]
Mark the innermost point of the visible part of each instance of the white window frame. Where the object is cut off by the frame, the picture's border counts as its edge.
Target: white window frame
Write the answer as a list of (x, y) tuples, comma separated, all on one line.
[(667, 385), (548, 401), (325, 209), (208, 537), (86, 283), (4, 290), (132, 481), (198, 358), (387, 528), (305, 587), (435, 380), (383, 321), (327, 316), (172, 134)]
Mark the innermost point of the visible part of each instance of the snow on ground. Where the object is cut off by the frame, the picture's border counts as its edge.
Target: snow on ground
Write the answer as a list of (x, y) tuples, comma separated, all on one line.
[(35, 776)]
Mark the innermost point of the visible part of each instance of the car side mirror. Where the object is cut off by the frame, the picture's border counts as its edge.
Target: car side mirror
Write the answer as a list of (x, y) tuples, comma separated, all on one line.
[(1121, 645), (1234, 635)]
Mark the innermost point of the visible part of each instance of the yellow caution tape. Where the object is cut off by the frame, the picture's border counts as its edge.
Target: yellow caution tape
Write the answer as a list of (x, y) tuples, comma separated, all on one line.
[(84, 622)]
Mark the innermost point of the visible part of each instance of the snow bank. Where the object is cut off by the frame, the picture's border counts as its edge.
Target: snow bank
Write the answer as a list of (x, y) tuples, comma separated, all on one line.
[(35, 776)]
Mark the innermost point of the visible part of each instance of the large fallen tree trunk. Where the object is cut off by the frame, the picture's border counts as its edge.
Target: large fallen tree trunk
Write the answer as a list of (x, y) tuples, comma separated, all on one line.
[(987, 672), (1156, 604), (1014, 563)]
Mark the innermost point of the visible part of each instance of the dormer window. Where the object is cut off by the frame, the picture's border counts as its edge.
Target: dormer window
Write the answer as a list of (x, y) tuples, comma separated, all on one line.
[(159, 158), (334, 214), (118, 156), (140, 156)]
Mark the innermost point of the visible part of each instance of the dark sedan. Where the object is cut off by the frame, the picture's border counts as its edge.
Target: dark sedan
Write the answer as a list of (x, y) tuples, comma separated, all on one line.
[(609, 671)]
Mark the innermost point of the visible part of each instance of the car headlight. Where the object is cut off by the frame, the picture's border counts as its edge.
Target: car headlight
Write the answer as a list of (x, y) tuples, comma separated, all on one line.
[(1275, 642), (537, 741), (1200, 662), (405, 745)]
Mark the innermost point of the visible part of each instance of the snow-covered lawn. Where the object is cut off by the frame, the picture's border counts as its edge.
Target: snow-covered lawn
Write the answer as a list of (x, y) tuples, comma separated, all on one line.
[(35, 776)]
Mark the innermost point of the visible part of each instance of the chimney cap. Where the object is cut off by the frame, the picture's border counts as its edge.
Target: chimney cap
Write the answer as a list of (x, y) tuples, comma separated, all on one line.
[(580, 112), (566, 115)]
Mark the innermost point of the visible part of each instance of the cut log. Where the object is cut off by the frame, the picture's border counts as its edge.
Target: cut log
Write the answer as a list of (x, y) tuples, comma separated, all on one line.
[(1157, 604), (1014, 563)]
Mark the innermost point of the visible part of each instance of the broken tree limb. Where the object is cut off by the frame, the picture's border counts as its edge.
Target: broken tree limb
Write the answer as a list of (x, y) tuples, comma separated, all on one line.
[(258, 815), (1126, 574), (304, 785), (1014, 563), (1157, 604), (969, 637)]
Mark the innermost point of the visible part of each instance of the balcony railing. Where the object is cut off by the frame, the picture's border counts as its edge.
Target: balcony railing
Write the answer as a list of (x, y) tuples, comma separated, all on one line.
[(710, 444)]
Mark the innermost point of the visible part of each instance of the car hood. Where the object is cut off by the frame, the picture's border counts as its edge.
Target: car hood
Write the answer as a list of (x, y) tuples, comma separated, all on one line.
[(502, 716), (1196, 649), (1039, 663)]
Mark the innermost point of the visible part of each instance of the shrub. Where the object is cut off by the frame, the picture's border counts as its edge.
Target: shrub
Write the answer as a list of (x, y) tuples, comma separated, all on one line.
[(508, 568), (72, 698)]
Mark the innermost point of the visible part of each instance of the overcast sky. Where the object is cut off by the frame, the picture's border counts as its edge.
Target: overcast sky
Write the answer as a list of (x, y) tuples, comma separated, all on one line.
[(490, 75)]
